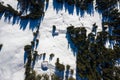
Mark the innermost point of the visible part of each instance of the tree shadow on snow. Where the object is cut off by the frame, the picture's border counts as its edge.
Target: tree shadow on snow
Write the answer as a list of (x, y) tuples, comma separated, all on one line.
[(46, 6), (58, 6), (37, 43), (25, 57), (23, 23), (13, 19), (67, 72), (71, 44), (1, 14), (90, 9), (60, 74), (54, 32)]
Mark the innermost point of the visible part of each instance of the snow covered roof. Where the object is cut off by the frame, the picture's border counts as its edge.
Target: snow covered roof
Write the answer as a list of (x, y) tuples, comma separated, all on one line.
[(44, 65)]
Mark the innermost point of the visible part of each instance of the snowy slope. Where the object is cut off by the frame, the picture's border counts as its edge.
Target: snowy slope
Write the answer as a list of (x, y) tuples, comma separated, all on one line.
[(11, 55), (14, 40), (59, 44)]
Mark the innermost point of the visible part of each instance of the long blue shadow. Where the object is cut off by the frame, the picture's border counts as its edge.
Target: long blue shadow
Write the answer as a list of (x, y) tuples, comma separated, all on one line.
[(25, 57), (58, 6), (23, 24), (7, 16), (1, 14), (69, 8), (71, 44), (34, 60), (90, 9), (15, 18), (37, 43), (67, 72), (44, 55), (60, 74), (46, 7)]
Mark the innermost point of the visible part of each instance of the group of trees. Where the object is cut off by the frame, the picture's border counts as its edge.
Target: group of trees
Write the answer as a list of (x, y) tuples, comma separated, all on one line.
[(35, 7), (29, 9), (77, 37), (60, 69), (82, 4), (59, 66), (8, 10), (30, 73), (111, 18), (31, 55), (105, 4), (28, 68), (94, 60), (34, 76)]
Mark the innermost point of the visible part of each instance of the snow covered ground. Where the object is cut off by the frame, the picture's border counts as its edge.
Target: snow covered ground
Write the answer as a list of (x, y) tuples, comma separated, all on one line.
[(13, 3), (11, 55), (14, 39)]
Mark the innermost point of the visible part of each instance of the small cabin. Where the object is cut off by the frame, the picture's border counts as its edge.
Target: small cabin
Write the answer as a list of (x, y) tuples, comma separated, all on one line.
[(44, 65)]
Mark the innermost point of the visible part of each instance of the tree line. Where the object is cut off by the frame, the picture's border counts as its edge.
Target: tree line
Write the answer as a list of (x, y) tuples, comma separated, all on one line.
[(82, 4), (94, 60), (34, 7)]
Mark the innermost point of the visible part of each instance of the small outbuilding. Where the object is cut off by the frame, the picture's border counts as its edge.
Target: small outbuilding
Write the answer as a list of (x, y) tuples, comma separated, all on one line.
[(44, 65)]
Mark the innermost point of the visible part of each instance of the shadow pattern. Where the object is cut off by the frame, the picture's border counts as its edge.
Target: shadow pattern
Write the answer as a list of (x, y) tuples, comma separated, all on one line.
[(31, 13), (70, 6)]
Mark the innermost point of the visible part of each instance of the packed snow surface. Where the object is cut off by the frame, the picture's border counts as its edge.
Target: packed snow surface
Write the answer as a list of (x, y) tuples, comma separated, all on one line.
[(14, 39)]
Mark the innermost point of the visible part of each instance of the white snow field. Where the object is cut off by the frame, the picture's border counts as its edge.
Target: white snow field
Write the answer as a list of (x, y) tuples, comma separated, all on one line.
[(14, 39)]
